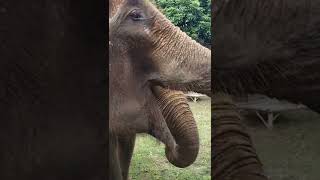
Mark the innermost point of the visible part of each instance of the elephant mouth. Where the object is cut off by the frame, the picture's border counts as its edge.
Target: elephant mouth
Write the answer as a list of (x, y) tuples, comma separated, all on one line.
[(155, 82), (170, 85)]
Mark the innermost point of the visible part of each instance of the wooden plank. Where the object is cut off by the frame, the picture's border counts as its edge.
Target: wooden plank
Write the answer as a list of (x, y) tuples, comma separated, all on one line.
[(194, 94), (272, 107), (263, 103)]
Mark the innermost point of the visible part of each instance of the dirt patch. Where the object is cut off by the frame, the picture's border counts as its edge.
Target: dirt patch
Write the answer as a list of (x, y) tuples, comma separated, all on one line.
[(291, 151)]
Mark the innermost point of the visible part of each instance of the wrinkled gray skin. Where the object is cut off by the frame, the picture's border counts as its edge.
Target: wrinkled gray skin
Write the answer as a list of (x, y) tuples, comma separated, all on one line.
[(234, 156), (133, 107), (268, 47), (181, 62), (151, 74), (52, 90)]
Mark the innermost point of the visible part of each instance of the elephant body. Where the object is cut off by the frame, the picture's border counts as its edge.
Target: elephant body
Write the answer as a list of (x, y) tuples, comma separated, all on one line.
[(52, 94), (139, 101), (268, 47)]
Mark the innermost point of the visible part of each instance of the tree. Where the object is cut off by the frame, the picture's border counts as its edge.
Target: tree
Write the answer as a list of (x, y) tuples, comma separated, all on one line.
[(192, 16)]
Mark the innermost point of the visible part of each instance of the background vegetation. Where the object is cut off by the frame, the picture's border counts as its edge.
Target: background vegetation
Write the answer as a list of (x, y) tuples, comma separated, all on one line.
[(149, 161), (192, 16)]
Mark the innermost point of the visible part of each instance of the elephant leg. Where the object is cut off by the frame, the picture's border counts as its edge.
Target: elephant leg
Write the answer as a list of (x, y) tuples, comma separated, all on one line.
[(114, 162), (126, 146)]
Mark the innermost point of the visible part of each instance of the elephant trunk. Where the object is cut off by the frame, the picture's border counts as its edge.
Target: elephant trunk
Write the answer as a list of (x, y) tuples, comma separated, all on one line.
[(183, 63), (234, 156), (181, 124)]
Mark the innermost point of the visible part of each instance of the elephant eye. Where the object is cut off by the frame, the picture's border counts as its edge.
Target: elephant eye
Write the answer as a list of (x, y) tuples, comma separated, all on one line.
[(136, 15)]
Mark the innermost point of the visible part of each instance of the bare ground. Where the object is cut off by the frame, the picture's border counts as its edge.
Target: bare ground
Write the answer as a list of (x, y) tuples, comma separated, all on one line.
[(291, 151)]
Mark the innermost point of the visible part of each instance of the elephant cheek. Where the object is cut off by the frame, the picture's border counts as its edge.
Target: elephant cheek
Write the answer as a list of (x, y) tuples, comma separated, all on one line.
[(128, 118)]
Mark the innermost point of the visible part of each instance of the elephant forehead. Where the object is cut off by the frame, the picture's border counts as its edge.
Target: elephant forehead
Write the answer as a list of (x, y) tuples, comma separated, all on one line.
[(113, 6), (118, 68)]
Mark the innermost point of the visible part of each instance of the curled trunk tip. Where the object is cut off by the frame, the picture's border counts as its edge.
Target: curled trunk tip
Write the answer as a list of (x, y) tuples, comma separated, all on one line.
[(182, 125)]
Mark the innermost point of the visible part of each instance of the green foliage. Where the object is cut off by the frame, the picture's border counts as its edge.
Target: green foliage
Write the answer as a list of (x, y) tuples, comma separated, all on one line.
[(192, 16)]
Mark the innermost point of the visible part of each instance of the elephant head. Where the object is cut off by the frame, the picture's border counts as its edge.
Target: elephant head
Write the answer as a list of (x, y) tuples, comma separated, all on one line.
[(181, 62), (133, 70)]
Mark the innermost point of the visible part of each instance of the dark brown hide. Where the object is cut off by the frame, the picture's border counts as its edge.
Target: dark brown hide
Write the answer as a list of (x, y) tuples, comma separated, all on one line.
[(52, 90), (233, 156), (268, 47)]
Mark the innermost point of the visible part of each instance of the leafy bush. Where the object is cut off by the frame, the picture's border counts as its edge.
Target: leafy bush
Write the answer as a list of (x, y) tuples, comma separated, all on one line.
[(192, 16)]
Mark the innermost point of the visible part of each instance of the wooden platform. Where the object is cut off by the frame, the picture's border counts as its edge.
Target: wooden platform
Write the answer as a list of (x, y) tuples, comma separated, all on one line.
[(267, 109), (194, 96)]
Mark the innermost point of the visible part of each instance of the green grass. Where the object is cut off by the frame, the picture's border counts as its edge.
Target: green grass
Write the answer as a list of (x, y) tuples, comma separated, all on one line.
[(149, 161)]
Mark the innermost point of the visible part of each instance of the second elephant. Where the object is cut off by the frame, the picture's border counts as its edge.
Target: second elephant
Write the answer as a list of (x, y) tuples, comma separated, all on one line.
[(233, 157)]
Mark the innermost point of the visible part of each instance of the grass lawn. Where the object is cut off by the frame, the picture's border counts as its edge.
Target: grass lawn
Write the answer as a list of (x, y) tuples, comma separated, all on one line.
[(149, 161)]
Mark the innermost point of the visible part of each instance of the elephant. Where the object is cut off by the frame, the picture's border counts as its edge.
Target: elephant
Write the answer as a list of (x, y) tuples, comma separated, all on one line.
[(183, 64), (171, 120), (234, 156), (133, 107), (268, 47), (53, 90)]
